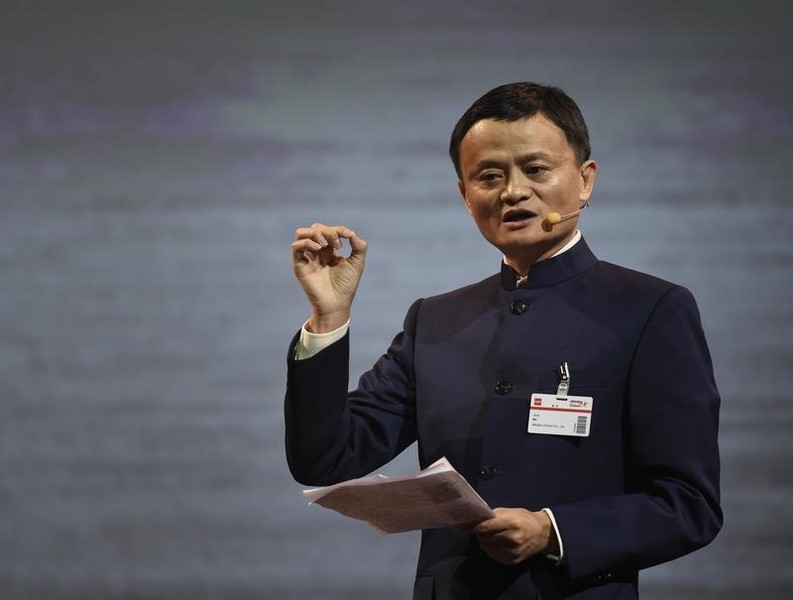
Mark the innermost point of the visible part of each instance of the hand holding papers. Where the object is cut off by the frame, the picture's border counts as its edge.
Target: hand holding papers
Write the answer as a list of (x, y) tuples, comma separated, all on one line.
[(438, 496)]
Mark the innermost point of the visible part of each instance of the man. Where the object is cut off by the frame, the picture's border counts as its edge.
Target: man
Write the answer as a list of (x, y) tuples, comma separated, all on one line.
[(489, 374)]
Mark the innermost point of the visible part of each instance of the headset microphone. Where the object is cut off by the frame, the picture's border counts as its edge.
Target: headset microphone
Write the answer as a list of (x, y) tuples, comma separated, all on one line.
[(554, 218)]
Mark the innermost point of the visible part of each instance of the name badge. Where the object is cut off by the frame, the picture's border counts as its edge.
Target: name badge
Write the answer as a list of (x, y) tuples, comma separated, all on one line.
[(551, 415)]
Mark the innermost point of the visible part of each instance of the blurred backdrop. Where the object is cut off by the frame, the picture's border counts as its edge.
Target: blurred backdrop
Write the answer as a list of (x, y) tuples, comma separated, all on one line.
[(155, 160)]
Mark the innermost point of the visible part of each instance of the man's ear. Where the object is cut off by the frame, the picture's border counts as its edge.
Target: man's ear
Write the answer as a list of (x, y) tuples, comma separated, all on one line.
[(589, 172), (461, 188)]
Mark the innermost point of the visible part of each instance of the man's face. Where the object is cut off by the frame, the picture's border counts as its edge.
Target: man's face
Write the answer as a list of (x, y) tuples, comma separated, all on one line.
[(513, 174)]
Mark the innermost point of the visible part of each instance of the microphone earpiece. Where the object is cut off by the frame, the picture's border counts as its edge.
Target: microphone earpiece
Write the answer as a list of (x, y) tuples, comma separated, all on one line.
[(550, 220), (554, 218)]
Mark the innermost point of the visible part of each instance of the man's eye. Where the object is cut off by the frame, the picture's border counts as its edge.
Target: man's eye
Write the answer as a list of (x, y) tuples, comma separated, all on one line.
[(490, 176), (533, 170)]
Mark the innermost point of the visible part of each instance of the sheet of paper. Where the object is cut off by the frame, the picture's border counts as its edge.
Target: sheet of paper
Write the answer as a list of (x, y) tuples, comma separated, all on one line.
[(438, 496)]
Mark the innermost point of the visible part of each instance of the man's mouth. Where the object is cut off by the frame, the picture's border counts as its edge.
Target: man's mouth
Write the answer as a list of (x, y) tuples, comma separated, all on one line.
[(517, 215)]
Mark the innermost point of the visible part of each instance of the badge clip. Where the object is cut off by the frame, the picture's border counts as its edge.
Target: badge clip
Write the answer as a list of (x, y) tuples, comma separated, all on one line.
[(563, 372)]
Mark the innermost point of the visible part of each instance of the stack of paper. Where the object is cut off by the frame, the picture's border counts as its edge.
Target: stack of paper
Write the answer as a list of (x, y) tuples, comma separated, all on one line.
[(438, 496)]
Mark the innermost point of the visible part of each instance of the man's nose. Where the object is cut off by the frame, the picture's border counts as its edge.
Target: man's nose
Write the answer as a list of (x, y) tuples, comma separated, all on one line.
[(518, 188)]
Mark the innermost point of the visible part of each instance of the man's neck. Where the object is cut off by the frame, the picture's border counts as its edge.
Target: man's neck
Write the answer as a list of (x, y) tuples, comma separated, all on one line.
[(523, 272)]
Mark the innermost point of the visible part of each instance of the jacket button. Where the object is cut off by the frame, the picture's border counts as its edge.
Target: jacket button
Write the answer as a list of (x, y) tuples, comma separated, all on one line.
[(518, 307), (487, 472), (505, 387)]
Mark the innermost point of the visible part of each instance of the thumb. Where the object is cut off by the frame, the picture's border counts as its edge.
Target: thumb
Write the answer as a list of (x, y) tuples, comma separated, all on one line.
[(358, 247)]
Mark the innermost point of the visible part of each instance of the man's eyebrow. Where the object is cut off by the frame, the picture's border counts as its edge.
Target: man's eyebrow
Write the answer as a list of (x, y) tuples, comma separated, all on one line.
[(488, 163), (494, 163), (539, 155)]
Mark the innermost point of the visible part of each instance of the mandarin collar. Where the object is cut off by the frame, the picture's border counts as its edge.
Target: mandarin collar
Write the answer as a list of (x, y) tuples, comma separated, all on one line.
[(552, 270)]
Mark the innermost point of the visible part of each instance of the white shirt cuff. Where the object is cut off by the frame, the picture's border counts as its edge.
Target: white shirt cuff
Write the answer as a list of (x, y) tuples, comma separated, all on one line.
[(310, 343), (557, 558)]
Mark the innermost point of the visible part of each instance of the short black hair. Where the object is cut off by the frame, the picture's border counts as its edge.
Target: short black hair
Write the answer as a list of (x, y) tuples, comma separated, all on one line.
[(523, 99)]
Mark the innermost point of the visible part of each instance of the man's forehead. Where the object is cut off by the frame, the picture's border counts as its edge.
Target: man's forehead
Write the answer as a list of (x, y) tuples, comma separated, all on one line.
[(529, 136), (528, 127)]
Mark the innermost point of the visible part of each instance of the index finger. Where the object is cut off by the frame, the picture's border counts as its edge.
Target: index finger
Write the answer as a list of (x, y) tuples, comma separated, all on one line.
[(500, 522), (323, 234)]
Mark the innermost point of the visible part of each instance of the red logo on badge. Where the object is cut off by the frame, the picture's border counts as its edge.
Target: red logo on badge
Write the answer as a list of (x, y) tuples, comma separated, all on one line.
[(538, 402)]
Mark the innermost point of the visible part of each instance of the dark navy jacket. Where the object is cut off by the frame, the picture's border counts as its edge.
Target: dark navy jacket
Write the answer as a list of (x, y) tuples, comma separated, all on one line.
[(640, 490)]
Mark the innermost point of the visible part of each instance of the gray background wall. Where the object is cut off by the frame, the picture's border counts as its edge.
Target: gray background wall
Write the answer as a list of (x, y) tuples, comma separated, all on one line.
[(155, 159)]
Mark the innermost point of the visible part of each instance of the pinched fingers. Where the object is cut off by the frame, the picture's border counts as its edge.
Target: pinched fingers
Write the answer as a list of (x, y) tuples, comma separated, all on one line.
[(321, 237)]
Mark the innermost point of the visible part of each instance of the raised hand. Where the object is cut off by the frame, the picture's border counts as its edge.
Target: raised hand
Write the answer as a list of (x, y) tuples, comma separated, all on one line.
[(328, 279)]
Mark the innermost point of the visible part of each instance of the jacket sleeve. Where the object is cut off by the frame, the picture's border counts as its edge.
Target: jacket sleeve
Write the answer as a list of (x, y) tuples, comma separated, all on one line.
[(671, 506), (333, 435)]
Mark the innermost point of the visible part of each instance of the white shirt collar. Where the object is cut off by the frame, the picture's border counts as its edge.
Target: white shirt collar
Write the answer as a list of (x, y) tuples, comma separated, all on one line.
[(573, 241), (570, 244)]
